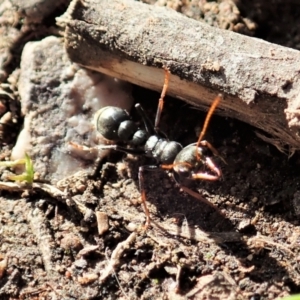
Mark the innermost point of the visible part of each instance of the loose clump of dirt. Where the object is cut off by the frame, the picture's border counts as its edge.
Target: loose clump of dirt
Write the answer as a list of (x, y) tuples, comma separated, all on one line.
[(84, 239)]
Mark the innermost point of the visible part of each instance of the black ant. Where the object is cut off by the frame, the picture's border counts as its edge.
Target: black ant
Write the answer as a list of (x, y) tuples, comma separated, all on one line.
[(190, 162)]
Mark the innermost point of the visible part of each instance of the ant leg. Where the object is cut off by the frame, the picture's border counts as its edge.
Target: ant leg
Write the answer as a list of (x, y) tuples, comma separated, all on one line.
[(206, 122), (101, 160), (193, 193), (148, 124), (212, 149), (208, 116), (134, 151), (198, 197), (161, 100), (142, 169), (206, 176), (88, 153)]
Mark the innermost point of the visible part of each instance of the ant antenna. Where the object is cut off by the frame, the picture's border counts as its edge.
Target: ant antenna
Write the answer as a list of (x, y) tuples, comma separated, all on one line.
[(161, 100), (208, 116)]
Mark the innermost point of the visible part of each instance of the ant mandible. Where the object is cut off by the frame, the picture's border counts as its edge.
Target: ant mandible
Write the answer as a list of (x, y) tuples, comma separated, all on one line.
[(190, 162)]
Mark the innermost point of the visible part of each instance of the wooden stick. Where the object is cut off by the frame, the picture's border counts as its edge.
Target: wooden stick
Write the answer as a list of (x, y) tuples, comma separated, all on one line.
[(134, 41)]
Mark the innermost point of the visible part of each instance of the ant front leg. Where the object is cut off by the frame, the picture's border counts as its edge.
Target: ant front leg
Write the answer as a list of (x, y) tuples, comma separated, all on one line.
[(142, 169), (212, 149)]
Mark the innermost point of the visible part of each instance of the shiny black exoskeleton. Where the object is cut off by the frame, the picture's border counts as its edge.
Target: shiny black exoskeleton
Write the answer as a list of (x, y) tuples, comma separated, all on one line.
[(190, 162), (115, 124)]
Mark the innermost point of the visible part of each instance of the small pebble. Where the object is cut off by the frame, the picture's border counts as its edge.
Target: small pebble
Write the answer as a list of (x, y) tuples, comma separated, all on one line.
[(87, 278), (131, 227), (102, 222), (254, 199), (250, 257)]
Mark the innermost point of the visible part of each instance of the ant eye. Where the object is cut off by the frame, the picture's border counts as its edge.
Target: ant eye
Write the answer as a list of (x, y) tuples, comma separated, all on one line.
[(184, 173), (205, 151)]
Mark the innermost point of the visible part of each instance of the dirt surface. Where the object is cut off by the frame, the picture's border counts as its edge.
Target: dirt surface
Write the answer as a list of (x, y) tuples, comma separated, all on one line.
[(243, 246)]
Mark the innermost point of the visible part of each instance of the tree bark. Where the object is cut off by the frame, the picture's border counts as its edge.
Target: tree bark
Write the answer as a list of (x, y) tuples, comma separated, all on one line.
[(133, 41)]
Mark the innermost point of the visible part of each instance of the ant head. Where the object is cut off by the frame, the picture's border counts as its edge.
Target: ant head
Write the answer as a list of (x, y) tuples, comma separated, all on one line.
[(192, 162), (187, 161)]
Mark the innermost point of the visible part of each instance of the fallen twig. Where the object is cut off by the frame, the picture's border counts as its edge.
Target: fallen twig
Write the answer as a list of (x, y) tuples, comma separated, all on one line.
[(115, 257), (49, 189), (134, 41)]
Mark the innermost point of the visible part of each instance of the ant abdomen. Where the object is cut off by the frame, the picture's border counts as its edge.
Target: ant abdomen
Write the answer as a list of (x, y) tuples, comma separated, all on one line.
[(114, 124), (108, 120)]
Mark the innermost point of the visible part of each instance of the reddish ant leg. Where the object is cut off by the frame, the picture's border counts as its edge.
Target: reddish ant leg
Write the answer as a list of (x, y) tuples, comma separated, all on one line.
[(212, 149), (213, 168), (142, 169), (161, 99), (206, 176), (198, 196), (208, 116), (206, 122)]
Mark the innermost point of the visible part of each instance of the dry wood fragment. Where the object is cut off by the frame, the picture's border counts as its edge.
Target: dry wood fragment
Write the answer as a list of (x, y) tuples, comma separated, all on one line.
[(116, 255), (102, 222), (45, 241), (134, 41)]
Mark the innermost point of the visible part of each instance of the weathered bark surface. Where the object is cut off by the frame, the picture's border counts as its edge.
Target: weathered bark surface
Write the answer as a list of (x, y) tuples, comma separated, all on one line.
[(36, 10), (134, 41)]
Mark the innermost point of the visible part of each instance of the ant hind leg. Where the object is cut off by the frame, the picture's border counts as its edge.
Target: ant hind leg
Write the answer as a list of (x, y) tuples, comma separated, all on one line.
[(142, 170), (161, 100)]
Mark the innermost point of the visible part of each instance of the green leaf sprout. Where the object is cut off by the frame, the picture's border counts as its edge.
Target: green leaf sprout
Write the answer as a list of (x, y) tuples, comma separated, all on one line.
[(28, 175)]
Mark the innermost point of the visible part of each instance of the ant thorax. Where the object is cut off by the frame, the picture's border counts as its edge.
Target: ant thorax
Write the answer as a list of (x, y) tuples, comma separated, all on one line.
[(161, 149)]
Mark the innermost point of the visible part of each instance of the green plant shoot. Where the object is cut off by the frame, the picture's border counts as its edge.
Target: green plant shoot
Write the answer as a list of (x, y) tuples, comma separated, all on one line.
[(294, 297), (28, 175)]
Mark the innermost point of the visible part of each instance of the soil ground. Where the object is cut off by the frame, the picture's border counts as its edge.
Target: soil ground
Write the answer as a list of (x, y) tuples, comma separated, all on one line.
[(243, 246)]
